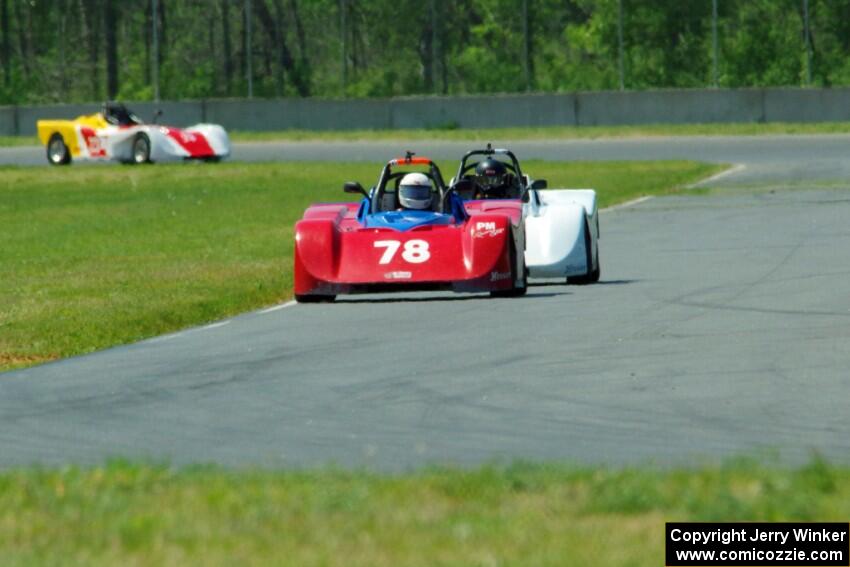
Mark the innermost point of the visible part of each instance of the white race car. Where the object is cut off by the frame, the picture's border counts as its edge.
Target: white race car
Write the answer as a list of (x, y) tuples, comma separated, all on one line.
[(562, 235), (561, 225), (117, 134)]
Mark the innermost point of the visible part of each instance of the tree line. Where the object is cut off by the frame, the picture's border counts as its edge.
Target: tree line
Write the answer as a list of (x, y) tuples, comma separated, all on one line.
[(88, 50)]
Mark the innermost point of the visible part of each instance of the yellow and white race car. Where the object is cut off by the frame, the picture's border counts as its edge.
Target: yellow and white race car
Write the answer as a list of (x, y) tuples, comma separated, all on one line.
[(117, 134)]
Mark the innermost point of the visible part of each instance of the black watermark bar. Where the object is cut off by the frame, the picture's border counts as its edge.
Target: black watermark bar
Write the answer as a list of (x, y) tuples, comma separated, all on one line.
[(765, 544)]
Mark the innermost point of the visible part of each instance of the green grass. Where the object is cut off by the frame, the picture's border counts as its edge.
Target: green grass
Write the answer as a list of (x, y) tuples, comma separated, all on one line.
[(11, 141), (522, 515), (522, 133), (98, 256), (551, 132)]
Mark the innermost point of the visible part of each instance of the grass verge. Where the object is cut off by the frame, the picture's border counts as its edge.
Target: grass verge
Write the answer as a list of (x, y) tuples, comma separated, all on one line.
[(98, 256), (125, 514), (549, 132), (521, 133), (13, 141)]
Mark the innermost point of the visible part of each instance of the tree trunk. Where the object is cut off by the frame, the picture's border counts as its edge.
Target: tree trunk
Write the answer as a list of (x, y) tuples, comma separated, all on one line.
[(441, 53), (285, 56), (23, 47), (426, 49), (94, 51), (213, 50), (63, 64), (304, 71), (243, 59), (5, 51), (163, 37), (225, 45), (89, 33), (110, 23), (359, 59), (148, 35), (343, 40), (280, 86), (527, 65)]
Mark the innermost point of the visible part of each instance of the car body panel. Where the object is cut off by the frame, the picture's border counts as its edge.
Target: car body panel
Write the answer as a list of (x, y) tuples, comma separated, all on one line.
[(344, 248), (556, 221)]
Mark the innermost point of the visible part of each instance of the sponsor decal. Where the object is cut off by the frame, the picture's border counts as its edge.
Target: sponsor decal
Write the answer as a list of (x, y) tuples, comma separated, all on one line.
[(194, 144), (483, 229), (93, 142), (398, 275), (499, 276)]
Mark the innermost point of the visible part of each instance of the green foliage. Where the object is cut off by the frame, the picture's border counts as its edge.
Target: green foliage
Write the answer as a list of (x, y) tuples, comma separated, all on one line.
[(56, 50), (756, 54)]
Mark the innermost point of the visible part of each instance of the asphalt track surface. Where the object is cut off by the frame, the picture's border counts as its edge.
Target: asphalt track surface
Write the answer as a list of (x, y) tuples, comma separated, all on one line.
[(721, 326), (777, 159)]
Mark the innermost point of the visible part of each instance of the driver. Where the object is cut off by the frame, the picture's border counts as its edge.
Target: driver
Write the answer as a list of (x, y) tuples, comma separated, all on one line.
[(117, 114), (414, 192), (493, 179)]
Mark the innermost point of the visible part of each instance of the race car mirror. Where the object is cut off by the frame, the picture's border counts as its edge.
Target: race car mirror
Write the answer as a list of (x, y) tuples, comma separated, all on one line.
[(354, 187), (156, 116), (539, 184)]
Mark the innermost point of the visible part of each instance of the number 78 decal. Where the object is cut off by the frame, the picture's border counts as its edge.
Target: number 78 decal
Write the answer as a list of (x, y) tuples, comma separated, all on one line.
[(415, 251)]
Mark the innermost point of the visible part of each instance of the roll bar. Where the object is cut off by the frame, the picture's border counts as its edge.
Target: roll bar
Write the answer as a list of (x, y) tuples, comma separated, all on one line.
[(489, 151), (408, 159)]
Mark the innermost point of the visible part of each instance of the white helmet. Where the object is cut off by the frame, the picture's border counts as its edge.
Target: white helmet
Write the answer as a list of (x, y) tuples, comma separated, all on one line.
[(414, 192)]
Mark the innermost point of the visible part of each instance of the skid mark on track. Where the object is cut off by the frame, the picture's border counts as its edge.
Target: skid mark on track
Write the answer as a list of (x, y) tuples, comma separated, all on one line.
[(736, 292), (764, 310)]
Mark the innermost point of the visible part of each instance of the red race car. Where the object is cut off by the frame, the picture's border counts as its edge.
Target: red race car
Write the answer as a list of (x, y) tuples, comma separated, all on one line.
[(409, 233)]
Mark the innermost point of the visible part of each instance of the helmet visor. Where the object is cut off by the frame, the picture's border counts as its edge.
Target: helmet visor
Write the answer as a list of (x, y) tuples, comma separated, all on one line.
[(490, 180), (416, 192), (415, 196)]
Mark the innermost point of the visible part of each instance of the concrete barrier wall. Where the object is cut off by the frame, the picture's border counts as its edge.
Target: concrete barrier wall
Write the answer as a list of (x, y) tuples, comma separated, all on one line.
[(483, 112), (295, 113), (807, 105), (670, 107), (28, 115), (8, 121), (183, 113), (574, 109)]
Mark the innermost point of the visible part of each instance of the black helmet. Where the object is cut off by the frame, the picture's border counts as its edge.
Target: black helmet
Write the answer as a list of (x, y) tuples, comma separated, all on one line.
[(491, 173), (117, 114)]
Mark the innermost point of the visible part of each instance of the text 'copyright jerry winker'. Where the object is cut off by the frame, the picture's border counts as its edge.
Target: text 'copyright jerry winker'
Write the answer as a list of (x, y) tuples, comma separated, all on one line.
[(806, 544)]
